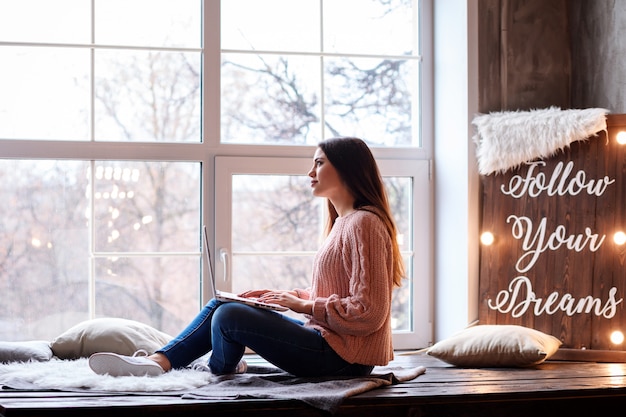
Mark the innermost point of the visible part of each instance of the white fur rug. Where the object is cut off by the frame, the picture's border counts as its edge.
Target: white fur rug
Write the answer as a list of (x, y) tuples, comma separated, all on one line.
[(507, 139), (72, 375)]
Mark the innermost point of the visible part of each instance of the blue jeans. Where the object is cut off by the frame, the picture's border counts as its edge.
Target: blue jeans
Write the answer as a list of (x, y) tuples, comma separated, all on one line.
[(227, 328)]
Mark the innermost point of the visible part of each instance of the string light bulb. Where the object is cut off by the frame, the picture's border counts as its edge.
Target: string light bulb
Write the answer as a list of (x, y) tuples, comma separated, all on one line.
[(487, 238), (617, 337)]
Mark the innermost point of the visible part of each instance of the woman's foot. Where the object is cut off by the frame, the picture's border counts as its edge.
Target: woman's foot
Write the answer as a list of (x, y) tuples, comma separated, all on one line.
[(241, 367), (108, 363)]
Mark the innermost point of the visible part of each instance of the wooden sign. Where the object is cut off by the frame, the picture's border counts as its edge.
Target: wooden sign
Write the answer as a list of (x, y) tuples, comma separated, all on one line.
[(557, 263)]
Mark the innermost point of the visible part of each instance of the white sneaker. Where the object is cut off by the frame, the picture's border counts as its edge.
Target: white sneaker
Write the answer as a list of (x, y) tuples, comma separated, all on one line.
[(107, 363)]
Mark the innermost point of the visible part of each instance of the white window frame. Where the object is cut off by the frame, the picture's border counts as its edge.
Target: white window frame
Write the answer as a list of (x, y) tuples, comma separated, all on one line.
[(419, 171)]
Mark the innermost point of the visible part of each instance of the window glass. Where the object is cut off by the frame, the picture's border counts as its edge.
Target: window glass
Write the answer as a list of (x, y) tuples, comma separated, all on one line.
[(123, 242), (146, 206), (66, 21), (44, 93), (360, 77), (374, 99), (271, 25), (283, 109), (400, 194), (274, 246), (139, 80), (147, 96), (172, 23), (44, 263), (163, 292), (370, 27)]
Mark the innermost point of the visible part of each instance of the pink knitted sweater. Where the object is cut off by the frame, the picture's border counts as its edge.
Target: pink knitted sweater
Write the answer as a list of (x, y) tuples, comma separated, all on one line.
[(351, 286)]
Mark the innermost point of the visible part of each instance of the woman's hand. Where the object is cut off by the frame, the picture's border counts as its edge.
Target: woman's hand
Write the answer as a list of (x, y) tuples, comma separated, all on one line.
[(254, 293), (287, 299), (261, 293), (284, 298)]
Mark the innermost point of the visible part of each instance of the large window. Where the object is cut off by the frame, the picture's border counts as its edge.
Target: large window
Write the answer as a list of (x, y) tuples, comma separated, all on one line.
[(118, 118)]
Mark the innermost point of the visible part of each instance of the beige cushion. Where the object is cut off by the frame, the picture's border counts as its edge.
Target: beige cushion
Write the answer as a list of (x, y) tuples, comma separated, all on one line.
[(496, 346), (116, 335)]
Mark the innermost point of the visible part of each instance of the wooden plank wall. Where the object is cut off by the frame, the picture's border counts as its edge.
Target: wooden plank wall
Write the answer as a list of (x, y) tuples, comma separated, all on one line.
[(524, 54), (560, 253)]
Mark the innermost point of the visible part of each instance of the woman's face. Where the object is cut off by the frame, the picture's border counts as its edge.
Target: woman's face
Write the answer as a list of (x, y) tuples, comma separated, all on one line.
[(325, 180)]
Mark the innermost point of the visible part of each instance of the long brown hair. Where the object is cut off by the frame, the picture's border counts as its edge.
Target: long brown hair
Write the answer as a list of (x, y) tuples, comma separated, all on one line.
[(356, 166)]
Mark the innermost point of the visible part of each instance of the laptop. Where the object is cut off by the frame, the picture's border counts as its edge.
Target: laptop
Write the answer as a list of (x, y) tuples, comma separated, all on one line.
[(227, 296)]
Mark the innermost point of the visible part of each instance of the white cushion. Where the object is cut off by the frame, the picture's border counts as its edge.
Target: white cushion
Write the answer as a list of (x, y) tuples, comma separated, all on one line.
[(496, 346)]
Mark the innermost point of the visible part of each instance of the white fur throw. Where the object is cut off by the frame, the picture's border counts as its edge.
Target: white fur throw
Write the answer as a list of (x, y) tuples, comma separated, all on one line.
[(507, 139), (73, 375)]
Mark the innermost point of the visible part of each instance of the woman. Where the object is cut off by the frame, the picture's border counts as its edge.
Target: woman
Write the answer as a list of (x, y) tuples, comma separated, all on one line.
[(348, 306)]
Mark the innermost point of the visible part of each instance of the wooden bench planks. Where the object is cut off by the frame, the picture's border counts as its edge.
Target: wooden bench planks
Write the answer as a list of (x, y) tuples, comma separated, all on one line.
[(565, 388)]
